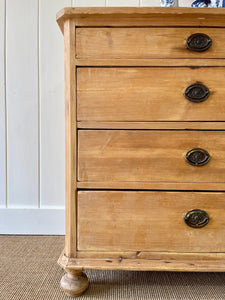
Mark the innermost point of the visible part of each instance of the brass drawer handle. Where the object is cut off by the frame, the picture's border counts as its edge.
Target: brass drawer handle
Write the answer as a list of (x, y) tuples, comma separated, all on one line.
[(197, 92), (199, 42), (197, 157), (196, 218)]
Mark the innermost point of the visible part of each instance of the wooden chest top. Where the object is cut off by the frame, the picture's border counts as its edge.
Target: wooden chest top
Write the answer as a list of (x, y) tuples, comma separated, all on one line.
[(146, 16)]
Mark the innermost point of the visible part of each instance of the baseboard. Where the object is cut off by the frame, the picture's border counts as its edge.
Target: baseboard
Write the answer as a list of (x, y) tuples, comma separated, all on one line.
[(32, 221)]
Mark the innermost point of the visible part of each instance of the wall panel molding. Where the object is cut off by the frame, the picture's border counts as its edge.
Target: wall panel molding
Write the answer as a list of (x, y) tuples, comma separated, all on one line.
[(22, 102), (3, 196)]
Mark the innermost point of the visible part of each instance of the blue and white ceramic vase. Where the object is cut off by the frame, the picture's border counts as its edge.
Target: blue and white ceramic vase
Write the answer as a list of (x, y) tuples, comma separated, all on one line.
[(217, 3), (201, 3), (208, 3), (167, 3)]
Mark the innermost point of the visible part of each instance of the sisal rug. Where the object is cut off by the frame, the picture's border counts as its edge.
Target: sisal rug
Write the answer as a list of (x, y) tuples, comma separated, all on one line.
[(28, 271)]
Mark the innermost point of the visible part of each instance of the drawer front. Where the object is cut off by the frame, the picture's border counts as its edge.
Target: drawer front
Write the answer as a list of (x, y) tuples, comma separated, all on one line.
[(150, 156), (150, 221), (151, 94), (139, 43)]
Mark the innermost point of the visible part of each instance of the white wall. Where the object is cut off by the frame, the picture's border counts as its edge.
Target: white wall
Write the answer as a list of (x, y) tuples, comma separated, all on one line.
[(32, 113)]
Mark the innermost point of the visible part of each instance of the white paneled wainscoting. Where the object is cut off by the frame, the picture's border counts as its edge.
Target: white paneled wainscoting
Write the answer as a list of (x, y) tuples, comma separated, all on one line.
[(32, 113)]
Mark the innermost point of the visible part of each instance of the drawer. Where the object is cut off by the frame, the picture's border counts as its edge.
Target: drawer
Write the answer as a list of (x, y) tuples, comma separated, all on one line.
[(151, 94), (151, 221), (150, 156), (139, 43)]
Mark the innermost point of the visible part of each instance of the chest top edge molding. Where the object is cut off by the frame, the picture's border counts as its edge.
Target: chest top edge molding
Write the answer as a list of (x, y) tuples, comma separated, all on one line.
[(142, 16)]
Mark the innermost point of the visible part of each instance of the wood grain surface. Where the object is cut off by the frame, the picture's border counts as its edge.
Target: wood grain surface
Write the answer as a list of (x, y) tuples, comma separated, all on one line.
[(70, 139), (148, 94), (142, 16), (184, 265), (149, 155), (142, 43), (151, 185), (151, 125), (151, 62), (149, 221), (151, 255)]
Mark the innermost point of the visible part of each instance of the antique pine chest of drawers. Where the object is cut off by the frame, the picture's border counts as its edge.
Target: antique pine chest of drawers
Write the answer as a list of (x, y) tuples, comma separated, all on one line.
[(145, 140)]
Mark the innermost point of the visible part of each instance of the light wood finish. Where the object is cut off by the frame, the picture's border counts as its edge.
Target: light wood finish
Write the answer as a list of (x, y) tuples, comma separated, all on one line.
[(70, 138), (153, 62), (74, 283), (151, 255), (144, 16), (126, 70), (153, 265), (191, 265), (151, 125), (130, 155), (132, 185), (120, 43), (149, 221), (138, 94)]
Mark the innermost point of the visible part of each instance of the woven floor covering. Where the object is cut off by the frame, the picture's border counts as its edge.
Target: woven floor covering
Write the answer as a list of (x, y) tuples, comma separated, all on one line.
[(28, 271)]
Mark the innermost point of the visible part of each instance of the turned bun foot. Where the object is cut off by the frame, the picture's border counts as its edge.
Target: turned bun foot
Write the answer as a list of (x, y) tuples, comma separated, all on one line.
[(74, 283)]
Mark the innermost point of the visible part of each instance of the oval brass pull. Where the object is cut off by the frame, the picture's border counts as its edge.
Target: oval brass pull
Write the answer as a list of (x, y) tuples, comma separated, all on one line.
[(199, 42), (197, 92), (197, 157), (196, 218)]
